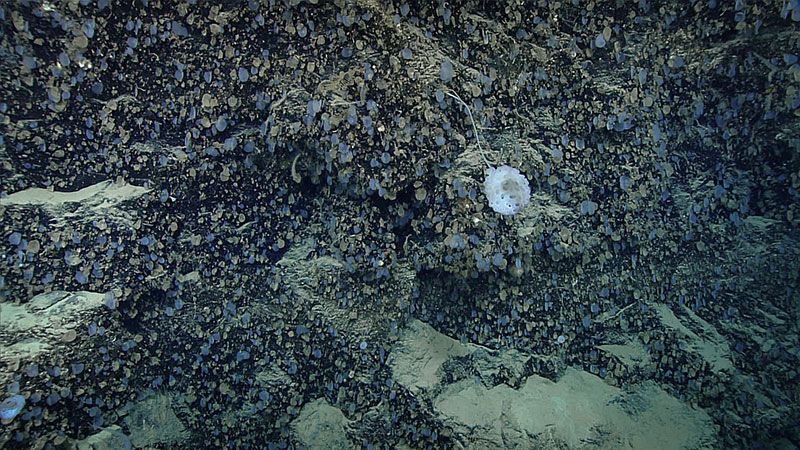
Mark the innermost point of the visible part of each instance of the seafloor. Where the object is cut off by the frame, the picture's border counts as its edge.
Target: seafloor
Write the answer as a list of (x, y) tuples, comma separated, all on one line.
[(262, 224)]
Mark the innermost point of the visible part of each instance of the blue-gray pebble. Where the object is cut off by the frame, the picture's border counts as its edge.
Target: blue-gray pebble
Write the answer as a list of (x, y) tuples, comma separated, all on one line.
[(11, 407)]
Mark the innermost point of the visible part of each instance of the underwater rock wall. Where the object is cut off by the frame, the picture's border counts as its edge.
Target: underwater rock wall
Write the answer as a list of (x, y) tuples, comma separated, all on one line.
[(266, 197)]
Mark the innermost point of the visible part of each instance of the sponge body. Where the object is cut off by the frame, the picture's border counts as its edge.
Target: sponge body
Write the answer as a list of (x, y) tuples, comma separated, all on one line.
[(507, 189)]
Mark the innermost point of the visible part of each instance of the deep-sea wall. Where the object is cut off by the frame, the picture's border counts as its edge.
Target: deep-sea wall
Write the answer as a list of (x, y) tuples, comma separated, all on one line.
[(214, 214)]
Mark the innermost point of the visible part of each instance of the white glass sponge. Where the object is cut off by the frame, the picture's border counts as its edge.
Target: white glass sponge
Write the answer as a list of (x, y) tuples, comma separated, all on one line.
[(508, 190)]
